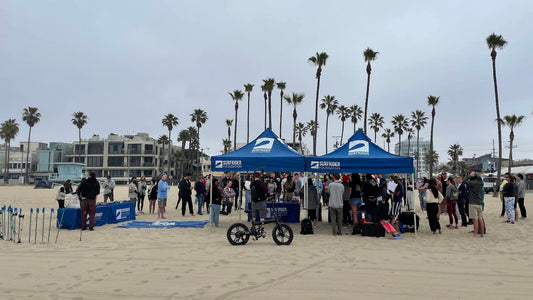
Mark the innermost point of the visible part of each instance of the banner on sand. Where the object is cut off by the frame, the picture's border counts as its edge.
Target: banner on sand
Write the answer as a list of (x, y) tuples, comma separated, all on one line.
[(165, 224)]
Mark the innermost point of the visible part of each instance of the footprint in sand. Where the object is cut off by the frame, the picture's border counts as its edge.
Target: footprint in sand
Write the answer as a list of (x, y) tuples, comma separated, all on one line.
[(24, 275), (117, 290)]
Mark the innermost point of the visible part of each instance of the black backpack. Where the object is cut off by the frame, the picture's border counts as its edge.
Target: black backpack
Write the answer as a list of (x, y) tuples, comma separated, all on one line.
[(255, 193), (307, 226)]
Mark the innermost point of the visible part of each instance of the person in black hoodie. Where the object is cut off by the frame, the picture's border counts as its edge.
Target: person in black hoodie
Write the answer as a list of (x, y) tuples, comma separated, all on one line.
[(88, 190), (371, 191), (185, 192)]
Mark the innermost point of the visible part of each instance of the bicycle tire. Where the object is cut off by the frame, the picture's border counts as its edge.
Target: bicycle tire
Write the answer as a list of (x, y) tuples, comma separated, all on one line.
[(238, 234), (282, 234)]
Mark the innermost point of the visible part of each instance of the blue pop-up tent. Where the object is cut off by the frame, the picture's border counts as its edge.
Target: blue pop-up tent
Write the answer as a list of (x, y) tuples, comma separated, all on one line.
[(360, 155), (267, 152)]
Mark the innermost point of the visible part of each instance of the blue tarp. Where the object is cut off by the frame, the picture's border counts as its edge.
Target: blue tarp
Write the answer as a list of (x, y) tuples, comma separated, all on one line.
[(360, 155), (165, 224), (267, 152)]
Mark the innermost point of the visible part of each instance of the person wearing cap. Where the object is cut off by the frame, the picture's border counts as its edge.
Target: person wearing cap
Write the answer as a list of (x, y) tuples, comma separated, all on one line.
[(396, 207), (109, 186)]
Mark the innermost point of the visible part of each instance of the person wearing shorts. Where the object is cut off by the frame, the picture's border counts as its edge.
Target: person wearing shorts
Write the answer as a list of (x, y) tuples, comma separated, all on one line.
[(162, 190), (475, 209)]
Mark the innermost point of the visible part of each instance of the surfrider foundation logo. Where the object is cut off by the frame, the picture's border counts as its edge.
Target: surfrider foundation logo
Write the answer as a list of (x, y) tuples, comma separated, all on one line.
[(358, 147), (228, 164), (263, 145), (330, 165)]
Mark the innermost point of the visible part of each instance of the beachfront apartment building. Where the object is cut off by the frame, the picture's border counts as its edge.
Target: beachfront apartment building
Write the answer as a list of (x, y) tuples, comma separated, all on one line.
[(409, 149), (121, 157), (16, 165)]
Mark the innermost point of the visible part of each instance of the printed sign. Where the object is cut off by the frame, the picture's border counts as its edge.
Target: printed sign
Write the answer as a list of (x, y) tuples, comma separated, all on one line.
[(263, 145), (331, 165), (122, 213), (228, 164), (358, 147)]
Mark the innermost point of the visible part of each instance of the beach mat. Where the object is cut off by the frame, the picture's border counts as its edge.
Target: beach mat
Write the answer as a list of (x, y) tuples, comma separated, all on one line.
[(164, 224)]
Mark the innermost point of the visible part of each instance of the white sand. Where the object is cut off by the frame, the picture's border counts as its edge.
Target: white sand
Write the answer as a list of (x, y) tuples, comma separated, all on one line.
[(113, 263)]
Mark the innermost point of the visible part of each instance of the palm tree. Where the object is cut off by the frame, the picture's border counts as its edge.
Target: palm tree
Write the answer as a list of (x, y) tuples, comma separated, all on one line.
[(199, 117), (281, 86), (432, 101), (410, 132), (376, 122), (227, 145), (193, 144), (454, 152), (169, 121), (418, 121), (184, 136), (400, 123), (343, 112), (264, 90), (356, 113), (79, 120), (269, 86), (294, 100), (370, 55), (494, 42), (301, 131), (248, 89), (8, 130), (387, 135), (311, 127), (512, 121), (318, 60), (164, 140), (31, 116), (329, 103), (431, 159), (229, 123), (236, 96)]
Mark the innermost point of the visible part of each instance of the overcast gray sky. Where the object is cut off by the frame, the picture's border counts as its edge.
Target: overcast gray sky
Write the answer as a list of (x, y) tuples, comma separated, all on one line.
[(128, 63)]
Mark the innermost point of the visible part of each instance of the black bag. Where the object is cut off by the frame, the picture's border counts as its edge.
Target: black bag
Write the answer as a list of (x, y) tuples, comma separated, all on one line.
[(307, 226), (408, 220), (372, 229)]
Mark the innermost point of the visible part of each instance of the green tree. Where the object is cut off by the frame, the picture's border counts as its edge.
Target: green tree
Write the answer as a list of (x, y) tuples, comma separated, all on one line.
[(387, 135), (494, 42), (8, 131), (418, 121), (431, 158), (199, 117), (236, 96), (163, 140), (329, 103), (454, 152), (269, 85), (318, 60), (193, 144), (432, 101), (301, 131), (343, 112), (184, 136), (281, 86), (376, 122), (170, 121), (264, 90), (248, 89), (512, 121), (356, 113), (311, 127), (400, 123), (229, 123), (369, 55), (227, 145), (410, 132), (79, 120), (31, 116), (295, 100)]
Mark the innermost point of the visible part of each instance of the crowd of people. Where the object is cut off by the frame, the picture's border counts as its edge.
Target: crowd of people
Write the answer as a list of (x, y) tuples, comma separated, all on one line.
[(350, 198)]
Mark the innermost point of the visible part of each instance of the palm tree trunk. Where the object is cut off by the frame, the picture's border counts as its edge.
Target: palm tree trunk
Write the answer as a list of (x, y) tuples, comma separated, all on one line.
[(399, 144), (79, 145), (408, 146), (417, 152), (375, 136), (342, 132), (169, 152), (270, 110), (198, 153), (354, 127), (431, 143), (6, 162), (265, 111), (27, 157), (316, 116), (300, 140), (368, 70), (388, 147), (498, 121), (280, 113), (235, 128), (294, 128), (327, 122), (511, 139), (248, 121)]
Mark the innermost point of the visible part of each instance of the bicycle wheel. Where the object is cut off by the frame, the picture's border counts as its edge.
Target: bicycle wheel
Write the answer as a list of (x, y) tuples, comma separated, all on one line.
[(238, 234), (282, 234)]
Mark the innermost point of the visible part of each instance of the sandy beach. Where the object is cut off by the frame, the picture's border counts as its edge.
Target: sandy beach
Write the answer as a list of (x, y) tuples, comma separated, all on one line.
[(117, 263)]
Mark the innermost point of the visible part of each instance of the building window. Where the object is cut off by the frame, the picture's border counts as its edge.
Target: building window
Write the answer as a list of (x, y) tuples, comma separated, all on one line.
[(79, 149), (148, 149), (134, 149), (148, 173), (134, 161), (115, 161), (135, 173), (96, 148), (115, 148), (95, 161), (116, 173)]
